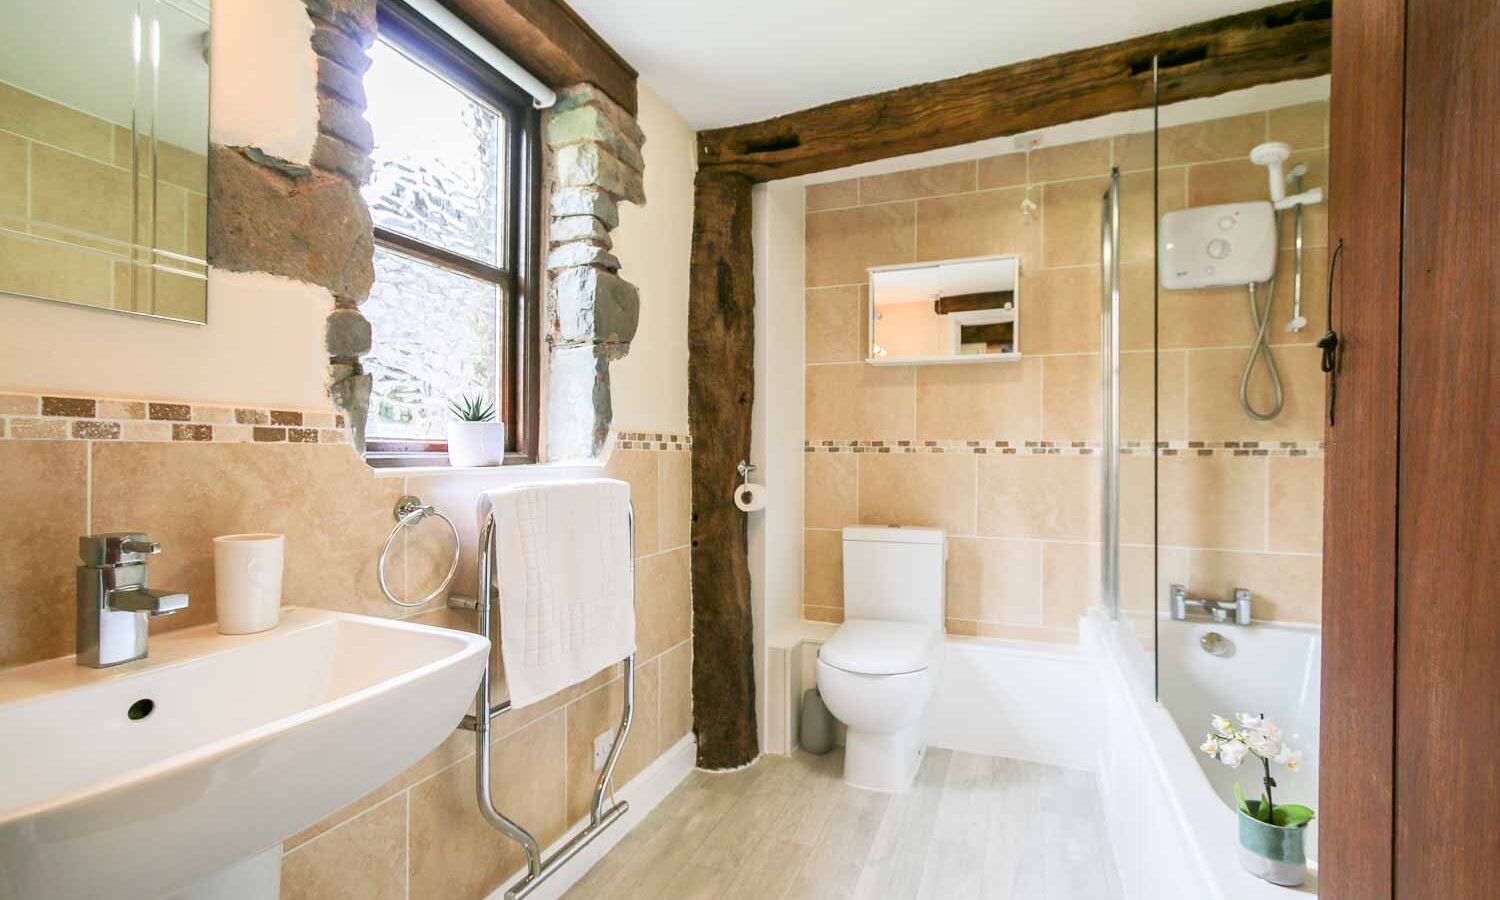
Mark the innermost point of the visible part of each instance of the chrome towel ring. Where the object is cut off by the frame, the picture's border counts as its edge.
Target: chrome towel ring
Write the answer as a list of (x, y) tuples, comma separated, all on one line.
[(409, 512)]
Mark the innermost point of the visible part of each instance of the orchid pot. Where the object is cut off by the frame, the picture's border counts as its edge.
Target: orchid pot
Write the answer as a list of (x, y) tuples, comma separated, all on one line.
[(475, 439), (1272, 835)]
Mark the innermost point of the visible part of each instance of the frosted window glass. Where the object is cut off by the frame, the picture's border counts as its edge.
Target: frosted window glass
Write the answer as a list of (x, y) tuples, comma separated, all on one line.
[(437, 338), (437, 158)]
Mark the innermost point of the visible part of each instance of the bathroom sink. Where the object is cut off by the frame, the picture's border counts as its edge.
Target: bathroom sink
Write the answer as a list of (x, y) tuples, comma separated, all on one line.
[(143, 780)]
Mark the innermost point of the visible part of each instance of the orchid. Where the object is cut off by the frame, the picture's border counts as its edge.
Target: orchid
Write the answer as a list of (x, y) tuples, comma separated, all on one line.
[(1257, 735)]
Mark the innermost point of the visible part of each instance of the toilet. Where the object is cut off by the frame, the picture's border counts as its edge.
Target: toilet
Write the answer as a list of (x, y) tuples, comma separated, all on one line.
[(878, 671)]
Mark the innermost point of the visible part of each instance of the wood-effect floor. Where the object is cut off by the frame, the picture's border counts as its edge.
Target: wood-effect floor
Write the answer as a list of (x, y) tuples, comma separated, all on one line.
[(788, 827)]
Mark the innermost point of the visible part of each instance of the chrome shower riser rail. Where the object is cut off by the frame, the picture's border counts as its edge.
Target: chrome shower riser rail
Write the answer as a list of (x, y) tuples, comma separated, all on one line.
[(538, 869)]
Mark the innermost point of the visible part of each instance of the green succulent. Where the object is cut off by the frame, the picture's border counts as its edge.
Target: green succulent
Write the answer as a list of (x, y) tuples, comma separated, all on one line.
[(473, 409)]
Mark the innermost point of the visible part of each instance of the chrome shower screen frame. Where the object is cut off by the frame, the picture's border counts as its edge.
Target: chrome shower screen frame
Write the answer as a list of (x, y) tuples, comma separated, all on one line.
[(1109, 397)]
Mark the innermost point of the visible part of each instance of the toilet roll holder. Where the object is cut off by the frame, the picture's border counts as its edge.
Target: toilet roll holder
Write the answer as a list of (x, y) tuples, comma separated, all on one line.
[(745, 468)]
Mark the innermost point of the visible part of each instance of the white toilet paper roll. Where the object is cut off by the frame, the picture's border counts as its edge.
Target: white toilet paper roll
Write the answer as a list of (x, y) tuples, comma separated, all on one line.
[(750, 497)]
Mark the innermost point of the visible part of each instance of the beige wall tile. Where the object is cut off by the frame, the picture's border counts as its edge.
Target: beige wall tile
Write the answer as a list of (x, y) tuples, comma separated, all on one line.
[(363, 860), (980, 224), (830, 490), (1212, 501), (1228, 138), (995, 580), (1070, 398), (930, 490), (42, 269), (843, 244), (1060, 310), (1070, 582), (32, 116), (1005, 170), (823, 568), (334, 512), (983, 401), (1214, 412), (1295, 500), (1077, 160), (1146, 577), (454, 748), (832, 615), (1071, 211), (13, 169), (1138, 306), (1143, 196), (961, 627), (833, 194), (860, 402), (599, 711), (454, 851), (1152, 390), (639, 469), (676, 694), (1304, 125), (1285, 588), (675, 510), (1137, 499), (1314, 297), (80, 193), (182, 167), (1033, 633), (45, 485), (1053, 497), (663, 602), (932, 181), (1220, 317), (835, 324)]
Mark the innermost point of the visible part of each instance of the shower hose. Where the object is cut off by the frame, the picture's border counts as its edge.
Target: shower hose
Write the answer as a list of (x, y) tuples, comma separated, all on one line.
[(1261, 319)]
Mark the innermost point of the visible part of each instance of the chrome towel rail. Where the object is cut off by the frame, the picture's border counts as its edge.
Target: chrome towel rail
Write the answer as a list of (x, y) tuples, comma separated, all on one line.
[(538, 869), (409, 512)]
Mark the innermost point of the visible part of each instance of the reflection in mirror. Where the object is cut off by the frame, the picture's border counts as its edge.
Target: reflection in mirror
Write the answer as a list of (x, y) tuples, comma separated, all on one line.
[(964, 310), (103, 154)]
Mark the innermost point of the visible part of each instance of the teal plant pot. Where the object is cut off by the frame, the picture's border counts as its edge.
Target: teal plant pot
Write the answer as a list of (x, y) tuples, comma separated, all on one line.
[(1271, 852)]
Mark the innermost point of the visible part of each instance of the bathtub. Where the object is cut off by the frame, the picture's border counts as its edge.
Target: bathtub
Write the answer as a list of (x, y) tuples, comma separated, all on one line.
[(1169, 808)]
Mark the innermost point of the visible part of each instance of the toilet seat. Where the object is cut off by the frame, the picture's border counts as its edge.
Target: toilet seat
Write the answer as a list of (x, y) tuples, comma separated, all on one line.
[(876, 647)]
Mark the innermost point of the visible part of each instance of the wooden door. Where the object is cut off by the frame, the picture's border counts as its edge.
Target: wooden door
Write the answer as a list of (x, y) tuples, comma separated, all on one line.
[(1448, 634)]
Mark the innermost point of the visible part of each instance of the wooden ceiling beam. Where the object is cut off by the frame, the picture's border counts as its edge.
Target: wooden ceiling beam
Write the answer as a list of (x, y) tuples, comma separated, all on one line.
[(553, 42), (1276, 43)]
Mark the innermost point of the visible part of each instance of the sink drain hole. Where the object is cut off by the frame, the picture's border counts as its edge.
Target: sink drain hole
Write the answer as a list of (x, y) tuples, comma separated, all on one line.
[(140, 709)]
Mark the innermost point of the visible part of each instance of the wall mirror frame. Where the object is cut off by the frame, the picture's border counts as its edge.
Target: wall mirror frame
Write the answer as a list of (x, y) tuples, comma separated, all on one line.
[(104, 155), (945, 311)]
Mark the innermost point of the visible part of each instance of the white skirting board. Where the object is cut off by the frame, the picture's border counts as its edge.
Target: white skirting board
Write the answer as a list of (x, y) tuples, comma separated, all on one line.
[(644, 793)]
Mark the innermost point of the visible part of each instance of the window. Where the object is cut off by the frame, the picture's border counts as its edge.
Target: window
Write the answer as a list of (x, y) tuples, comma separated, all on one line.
[(453, 197)]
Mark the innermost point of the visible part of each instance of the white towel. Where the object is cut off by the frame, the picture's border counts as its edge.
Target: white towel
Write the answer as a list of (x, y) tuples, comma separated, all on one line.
[(564, 573)]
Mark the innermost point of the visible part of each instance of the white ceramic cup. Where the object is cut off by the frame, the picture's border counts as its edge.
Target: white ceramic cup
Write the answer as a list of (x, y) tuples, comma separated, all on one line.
[(247, 581)]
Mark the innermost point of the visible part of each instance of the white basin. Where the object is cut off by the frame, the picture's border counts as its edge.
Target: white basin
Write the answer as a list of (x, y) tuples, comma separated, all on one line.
[(251, 739)]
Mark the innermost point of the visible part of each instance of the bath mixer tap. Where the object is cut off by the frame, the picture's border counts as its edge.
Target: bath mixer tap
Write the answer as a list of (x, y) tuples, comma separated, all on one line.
[(1227, 612), (113, 599)]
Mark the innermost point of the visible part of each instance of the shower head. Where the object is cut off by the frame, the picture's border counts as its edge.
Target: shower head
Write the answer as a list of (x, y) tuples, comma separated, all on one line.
[(1272, 155)]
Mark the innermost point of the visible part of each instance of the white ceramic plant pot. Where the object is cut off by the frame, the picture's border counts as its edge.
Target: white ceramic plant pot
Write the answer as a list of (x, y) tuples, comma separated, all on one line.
[(476, 443)]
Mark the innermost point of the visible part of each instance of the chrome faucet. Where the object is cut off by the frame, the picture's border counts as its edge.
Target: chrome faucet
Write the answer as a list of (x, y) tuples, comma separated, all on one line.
[(1235, 612), (113, 600)]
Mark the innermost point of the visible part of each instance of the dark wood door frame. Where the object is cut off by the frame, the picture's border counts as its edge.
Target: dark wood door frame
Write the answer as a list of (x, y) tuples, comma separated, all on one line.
[(1356, 795)]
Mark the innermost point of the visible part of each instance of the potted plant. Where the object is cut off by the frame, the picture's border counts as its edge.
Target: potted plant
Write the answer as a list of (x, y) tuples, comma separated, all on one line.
[(475, 438), (1272, 835)]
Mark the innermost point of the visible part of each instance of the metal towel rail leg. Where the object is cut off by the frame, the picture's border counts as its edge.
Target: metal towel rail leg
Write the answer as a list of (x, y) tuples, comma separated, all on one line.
[(539, 870)]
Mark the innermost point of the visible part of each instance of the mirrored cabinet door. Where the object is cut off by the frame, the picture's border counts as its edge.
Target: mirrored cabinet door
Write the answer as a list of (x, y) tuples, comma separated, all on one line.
[(103, 154)]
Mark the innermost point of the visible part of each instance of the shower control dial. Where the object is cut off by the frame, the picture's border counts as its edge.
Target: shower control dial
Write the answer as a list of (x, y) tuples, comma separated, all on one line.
[(1218, 248)]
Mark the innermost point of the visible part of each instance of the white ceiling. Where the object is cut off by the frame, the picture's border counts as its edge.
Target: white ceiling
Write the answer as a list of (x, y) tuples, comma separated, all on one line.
[(726, 62)]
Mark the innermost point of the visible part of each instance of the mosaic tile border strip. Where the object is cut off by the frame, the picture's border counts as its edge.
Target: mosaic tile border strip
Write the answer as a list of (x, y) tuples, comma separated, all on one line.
[(652, 440), (1072, 448), (48, 417)]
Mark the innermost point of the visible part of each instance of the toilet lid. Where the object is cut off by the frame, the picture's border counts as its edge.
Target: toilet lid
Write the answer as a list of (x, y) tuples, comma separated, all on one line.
[(873, 647)]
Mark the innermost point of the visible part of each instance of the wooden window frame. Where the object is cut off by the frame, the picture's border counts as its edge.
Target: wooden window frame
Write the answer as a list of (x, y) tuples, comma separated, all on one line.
[(519, 272)]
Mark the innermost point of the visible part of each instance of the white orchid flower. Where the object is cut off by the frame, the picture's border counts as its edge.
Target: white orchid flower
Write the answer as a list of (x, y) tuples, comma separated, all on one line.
[(1247, 720), (1221, 726), (1264, 745), (1290, 758), (1269, 729), (1210, 746), (1232, 754)]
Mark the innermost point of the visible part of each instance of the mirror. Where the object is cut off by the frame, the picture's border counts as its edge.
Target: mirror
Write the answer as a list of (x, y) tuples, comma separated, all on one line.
[(961, 310), (104, 154)]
